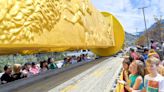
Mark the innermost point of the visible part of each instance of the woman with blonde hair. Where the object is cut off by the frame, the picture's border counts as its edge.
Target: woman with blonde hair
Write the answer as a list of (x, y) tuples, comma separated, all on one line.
[(17, 72)]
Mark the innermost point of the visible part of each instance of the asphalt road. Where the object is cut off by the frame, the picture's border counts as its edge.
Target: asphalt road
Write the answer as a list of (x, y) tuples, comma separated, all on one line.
[(99, 78), (52, 82)]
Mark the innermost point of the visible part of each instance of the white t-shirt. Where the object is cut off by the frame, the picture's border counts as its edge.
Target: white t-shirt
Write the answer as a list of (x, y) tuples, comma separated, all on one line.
[(154, 84)]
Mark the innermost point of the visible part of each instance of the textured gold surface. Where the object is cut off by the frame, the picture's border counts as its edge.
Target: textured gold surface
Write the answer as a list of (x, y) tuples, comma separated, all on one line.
[(22, 19), (119, 37), (52, 25)]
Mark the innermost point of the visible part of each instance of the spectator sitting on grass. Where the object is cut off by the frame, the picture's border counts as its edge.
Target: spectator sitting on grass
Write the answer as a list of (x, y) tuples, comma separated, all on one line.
[(7, 77), (51, 65), (26, 69), (34, 68), (43, 66), (17, 72)]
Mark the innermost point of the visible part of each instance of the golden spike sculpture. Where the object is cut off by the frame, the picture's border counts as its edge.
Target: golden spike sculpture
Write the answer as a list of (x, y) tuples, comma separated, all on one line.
[(31, 26)]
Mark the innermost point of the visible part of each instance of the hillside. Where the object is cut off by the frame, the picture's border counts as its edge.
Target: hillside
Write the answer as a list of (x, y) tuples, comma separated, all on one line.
[(155, 32), (130, 39)]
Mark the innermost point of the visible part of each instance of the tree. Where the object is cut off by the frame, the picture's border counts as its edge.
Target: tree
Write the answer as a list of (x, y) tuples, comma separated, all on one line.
[(141, 40)]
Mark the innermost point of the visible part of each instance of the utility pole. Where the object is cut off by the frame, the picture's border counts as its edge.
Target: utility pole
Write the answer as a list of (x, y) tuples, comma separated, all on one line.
[(147, 35), (137, 32)]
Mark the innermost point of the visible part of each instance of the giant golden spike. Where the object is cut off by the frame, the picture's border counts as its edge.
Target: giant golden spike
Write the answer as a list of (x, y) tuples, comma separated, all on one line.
[(31, 26)]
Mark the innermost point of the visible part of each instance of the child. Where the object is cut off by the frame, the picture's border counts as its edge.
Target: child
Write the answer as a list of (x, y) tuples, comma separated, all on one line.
[(136, 69), (34, 68), (7, 77), (153, 82), (145, 54), (43, 66), (26, 69), (126, 73), (51, 64), (17, 72), (153, 53)]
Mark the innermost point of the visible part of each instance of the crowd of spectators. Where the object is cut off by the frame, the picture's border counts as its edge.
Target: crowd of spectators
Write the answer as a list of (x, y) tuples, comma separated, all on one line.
[(18, 71), (143, 71)]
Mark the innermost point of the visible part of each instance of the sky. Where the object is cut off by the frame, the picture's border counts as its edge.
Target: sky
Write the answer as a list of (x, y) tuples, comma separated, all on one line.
[(127, 12)]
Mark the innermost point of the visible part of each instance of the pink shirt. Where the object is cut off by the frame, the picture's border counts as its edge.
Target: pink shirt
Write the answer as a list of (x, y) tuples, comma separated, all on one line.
[(34, 70), (134, 55)]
